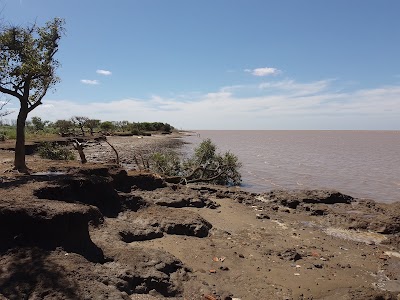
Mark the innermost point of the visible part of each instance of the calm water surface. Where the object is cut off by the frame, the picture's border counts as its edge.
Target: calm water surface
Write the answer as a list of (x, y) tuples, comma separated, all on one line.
[(363, 164)]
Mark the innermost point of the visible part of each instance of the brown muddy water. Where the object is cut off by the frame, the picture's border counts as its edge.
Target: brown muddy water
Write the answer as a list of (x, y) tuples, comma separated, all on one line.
[(363, 164)]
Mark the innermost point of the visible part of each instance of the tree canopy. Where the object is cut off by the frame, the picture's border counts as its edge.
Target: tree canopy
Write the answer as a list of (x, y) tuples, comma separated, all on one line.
[(27, 63), (27, 70)]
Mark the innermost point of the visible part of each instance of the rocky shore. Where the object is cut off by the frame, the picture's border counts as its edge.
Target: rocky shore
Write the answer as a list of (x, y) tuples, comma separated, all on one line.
[(97, 231)]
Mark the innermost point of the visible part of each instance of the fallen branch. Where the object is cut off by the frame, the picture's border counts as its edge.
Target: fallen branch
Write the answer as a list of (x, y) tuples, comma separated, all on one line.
[(115, 151), (78, 146)]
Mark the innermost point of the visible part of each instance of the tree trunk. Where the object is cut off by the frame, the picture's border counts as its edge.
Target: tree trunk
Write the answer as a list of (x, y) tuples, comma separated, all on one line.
[(19, 160), (78, 146), (83, 131)]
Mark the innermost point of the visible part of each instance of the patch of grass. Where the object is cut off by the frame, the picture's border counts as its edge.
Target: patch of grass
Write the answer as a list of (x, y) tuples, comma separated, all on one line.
[(8, 132)]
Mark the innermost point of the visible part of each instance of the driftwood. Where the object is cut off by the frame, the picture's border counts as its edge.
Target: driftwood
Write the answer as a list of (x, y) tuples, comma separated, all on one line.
[(78, 146), (115, 151), (191, 178)]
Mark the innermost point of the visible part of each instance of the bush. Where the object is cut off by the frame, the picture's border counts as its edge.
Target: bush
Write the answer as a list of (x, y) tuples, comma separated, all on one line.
[(206, 165), (55, 152), (135, 132), (9, 132), (167, 163)]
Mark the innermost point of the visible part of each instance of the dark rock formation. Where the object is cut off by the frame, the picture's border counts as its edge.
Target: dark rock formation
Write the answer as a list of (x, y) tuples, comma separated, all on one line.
[(167, 220), (293, 198), (49, 225), (148, 270)]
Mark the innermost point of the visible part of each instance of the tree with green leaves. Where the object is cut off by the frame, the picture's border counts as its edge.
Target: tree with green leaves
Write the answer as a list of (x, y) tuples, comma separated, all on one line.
[(28, 71), (38, 124), (206, 165), (64, 126), (107, 126), (79, 122), (92, 124)]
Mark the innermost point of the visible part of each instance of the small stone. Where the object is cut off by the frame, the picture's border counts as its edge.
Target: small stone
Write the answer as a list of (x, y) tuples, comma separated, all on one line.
[(262, 216), (318, 266)]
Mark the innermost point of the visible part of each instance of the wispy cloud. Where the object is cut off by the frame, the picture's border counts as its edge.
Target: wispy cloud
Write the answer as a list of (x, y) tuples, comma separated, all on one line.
[(296, 88), (104, 72), (90, 81), (260, 72), (285, 104)]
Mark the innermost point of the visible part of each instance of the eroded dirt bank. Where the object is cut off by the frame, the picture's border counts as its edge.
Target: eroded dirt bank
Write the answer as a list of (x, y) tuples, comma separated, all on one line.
[(99, 232)]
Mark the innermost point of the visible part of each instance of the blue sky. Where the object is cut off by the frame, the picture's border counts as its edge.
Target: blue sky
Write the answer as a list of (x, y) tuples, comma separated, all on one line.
[(224, 64)]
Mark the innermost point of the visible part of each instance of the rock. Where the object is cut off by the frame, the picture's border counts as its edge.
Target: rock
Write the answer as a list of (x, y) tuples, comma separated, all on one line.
[(182, 201), (262, 216), (290, 254), (92, 190), (141, 235), (49, 224), (294, 198), (130, 201), (318, 212), (170, 221), (142, 181), (148, 270)]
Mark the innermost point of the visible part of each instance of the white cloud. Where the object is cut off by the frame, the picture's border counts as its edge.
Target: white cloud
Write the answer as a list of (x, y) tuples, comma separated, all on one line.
[(290, 105), (296, 88), (90, 82), (263, 71), (104, 72)]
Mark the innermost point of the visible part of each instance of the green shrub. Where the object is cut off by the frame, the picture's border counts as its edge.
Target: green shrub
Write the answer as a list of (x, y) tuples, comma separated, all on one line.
[(9, 132), (205, 165), (135, 132), (55, 152), (166, 162)]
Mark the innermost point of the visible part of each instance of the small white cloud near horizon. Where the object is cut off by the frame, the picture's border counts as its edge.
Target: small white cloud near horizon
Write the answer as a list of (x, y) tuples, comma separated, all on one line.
[(90, 82), (260, 72), (104, 72)]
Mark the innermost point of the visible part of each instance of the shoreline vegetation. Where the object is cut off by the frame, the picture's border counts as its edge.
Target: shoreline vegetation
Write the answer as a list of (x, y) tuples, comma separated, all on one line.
[(100, 231)]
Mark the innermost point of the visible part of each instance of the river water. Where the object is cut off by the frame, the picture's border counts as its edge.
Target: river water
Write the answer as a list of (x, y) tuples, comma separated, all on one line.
[(363, 164)]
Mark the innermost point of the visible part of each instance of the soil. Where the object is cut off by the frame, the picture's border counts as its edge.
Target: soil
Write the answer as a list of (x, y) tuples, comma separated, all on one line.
[(98, 231)]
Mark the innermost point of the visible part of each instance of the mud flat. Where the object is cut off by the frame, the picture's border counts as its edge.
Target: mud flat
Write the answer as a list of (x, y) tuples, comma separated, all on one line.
[(99, 232)]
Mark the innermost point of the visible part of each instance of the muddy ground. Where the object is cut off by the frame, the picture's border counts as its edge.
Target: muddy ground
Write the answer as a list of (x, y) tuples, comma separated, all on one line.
[(96, 231)]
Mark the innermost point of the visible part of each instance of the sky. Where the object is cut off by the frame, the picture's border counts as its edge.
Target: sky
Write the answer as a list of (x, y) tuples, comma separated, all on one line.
[(224, 64)]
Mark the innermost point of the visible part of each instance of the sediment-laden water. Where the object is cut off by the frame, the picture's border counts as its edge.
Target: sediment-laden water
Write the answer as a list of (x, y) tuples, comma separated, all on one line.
[(364, 164)]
